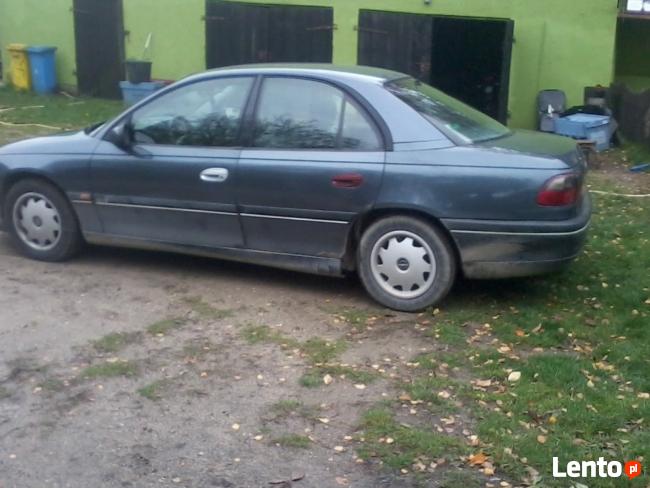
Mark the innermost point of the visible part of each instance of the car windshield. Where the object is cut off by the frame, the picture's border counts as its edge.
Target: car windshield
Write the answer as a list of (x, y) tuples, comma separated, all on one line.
[(447, 113)]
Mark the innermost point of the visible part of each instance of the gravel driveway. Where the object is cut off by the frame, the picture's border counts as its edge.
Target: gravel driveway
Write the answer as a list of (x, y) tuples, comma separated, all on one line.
[(124, 368)]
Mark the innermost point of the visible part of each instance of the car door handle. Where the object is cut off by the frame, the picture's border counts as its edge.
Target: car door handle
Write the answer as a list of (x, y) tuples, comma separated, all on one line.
[(348, 180), (214, 175)]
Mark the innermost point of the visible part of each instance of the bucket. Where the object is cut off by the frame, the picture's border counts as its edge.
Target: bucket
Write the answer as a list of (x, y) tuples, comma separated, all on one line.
[(138, 71)]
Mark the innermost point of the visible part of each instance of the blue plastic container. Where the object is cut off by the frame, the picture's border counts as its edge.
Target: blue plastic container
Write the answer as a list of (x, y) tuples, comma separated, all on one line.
[(132, 93), (42, 61), (585, 126)]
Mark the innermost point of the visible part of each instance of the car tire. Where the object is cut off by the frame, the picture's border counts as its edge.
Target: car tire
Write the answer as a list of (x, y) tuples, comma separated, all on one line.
[(406, 263), (41, 222)]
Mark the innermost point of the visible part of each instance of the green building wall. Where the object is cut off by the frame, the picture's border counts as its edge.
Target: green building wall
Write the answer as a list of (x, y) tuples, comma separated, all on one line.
[(40, 22), (558, 43)]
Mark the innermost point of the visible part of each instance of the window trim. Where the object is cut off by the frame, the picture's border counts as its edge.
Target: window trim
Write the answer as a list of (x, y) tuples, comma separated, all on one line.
[(349, 96), (126, 117)]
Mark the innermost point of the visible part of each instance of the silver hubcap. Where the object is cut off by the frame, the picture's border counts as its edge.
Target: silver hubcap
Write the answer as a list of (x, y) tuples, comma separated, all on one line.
[(37, 221), (403, 264)]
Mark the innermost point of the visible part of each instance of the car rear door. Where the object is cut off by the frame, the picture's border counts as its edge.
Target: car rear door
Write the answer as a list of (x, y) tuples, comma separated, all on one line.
[(314, 162), (177, 183)]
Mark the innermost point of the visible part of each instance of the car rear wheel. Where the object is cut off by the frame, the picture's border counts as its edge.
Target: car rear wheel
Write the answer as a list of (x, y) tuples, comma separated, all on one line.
[(405, 263), (41, 222)]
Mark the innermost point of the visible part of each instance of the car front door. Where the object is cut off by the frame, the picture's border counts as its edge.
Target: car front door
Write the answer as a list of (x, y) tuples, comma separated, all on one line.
[(176, 183), (314, 161)]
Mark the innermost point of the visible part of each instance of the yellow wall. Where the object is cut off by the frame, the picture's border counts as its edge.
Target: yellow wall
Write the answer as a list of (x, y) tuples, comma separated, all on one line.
[(40, 22), (178, 35), (565, 44)]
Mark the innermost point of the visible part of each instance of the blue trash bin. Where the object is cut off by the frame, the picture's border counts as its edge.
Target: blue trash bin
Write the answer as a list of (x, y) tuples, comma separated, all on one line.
[(42, 61)]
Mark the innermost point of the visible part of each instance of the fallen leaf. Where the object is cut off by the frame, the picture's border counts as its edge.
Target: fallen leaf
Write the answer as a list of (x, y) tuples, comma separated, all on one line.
[(339, 448), (477, 459), (483, 383), (541, 439), (514, 376), (281, 483), (644, 396), (360, 387), (444, 394), (520, 333)]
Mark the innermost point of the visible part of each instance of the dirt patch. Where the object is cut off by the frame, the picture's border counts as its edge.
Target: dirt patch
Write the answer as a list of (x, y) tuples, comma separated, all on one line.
[(130, 369), (613, 168)]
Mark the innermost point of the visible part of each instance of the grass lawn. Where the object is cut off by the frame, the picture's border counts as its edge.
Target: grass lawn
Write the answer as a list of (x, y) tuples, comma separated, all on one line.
[(55, 113), (574, 346)]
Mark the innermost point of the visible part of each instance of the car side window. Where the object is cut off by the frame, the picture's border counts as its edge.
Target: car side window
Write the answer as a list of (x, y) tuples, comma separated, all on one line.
[(295, 113), (358, 132), (205, 113)]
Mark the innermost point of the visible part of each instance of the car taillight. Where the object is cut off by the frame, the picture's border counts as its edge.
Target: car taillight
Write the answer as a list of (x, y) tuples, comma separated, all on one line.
[(561, 190)]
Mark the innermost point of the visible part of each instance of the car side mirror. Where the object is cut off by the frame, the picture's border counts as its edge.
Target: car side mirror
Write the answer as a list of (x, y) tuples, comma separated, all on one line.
[(122, 136)]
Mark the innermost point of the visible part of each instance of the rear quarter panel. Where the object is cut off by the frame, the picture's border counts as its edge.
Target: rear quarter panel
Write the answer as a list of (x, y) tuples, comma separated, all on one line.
[(470, 183)]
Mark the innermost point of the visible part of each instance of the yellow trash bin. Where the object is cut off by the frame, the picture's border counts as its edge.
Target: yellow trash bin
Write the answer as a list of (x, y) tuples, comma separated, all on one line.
[(19, 67)]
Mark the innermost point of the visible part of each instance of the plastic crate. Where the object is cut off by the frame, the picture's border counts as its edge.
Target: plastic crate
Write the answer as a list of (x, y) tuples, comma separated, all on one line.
[(585, 126), (132, 93)]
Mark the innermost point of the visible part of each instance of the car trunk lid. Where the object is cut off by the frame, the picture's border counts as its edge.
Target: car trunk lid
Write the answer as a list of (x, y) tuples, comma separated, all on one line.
[(539, 144)]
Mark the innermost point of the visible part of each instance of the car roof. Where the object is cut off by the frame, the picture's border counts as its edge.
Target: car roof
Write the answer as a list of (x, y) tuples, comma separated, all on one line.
[(325, 71)]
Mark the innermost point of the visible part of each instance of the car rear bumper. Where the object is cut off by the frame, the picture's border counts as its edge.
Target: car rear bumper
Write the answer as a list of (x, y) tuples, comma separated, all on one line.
[(490, 250)]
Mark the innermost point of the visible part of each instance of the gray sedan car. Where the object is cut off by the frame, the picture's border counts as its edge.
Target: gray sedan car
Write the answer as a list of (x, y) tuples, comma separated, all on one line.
[(313, 168)]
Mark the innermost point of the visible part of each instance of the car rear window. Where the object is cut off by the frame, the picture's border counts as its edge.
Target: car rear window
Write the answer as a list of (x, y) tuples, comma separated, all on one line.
[(459, 121)]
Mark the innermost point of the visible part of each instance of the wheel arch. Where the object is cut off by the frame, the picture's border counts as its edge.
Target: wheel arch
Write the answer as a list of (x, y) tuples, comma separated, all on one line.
[(15, 177), (28, 174), (367, 219)]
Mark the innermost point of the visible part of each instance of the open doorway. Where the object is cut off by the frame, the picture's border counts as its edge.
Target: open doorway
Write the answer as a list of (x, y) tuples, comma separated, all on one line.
[(467, 58), (468, 62), (99, 40)]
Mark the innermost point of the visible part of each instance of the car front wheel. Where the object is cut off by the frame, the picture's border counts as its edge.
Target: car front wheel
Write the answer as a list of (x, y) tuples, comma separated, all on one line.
[(405, 263), (40, 221)]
